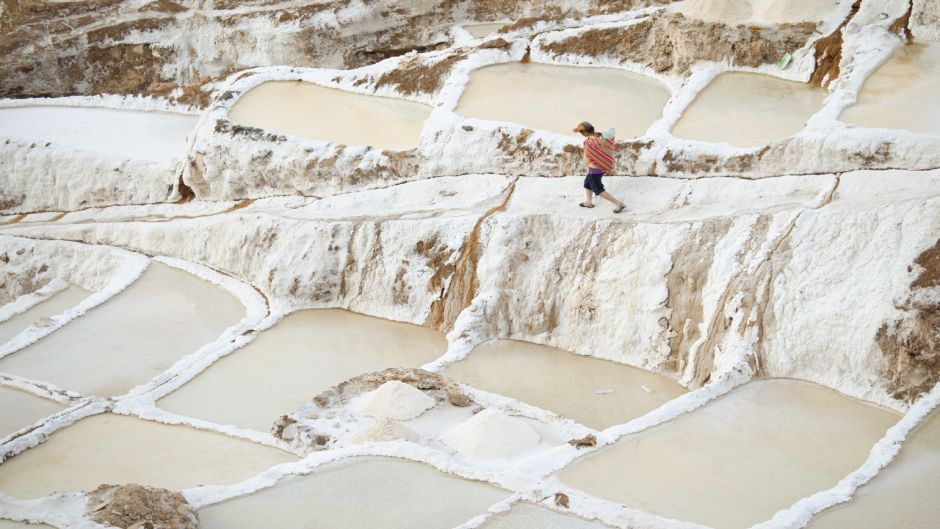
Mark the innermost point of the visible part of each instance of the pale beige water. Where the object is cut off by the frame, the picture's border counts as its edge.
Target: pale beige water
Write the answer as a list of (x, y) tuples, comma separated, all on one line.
[(163, 316), (528, 516), (902, 496), (303, 354), (564, 382), (749, 110), (557, 98), (19, 409), (56, 304), (328, 114), (902, 93), (738, 460), (119, 449), (482, 30), (364, 493), (766, 11)]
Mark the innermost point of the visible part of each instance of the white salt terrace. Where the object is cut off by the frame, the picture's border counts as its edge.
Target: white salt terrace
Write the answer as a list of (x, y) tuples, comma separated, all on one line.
[(749, 110), (56, 304), (119, 449), (19, 409), (302, 355), (163, 316), (738, 460), (327, 114), (902, 93), (903, 495), (528, 516), (124, 134), (596, 393), (557, 98), (374, 493)]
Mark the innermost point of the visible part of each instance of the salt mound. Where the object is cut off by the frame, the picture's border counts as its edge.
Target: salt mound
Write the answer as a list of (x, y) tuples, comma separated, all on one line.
[(394, 400), (386, 430), (491, 434)]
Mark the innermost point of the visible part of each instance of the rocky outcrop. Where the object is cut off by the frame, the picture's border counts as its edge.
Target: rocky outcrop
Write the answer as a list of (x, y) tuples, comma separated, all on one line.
[(925, 20), (140, 507), (672, 42)]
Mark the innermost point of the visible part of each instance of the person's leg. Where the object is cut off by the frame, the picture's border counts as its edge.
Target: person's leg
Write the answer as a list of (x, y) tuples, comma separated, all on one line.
[(588, 198), (614, 200), (588, 192)]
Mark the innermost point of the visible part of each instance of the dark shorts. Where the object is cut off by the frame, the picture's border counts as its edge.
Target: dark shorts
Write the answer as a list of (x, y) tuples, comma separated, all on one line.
[(593, 182)]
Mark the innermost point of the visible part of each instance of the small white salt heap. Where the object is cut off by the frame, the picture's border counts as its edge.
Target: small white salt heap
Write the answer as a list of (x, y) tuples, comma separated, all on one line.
[(491, 433), (386, 430), (394, 400)]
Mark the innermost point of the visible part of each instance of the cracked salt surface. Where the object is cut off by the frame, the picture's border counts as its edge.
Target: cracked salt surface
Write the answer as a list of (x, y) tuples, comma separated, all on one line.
[(556, 98), (304, 353), (564, 382), (749, 110), (902, 93), (739, 459), (19, 409), (903, 495), (327, 114), (153, 136), (374, 493), (528, 516), (120, 449), (56, 304), (163, 316)]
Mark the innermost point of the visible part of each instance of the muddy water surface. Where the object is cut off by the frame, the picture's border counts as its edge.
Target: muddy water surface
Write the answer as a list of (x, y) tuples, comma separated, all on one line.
[(373, 493), (482, 30), (163, 316), (749, 110), (594, 392), (19, 409), (557, 98), (328, 114), (738, 460), (303, 354), (904, 93), (903, 495), (57, 304), (119, 449)]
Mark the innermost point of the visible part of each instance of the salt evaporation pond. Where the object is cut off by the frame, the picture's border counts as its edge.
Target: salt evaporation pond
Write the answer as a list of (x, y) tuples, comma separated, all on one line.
[(902, 93), (482, 30), (56, 304), (302, 355), (737, 460), (163, 316), (373, 493), (557, 98), (761, 11), (328, 114), (154, 136), (749, 110), (903, 495), (19, 409), (594, 392), (119, 449), (528, 516)]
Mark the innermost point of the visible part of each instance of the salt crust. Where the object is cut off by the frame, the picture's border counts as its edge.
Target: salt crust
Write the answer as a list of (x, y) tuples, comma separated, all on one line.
[(394, 400), (384, 430), (491, 433)]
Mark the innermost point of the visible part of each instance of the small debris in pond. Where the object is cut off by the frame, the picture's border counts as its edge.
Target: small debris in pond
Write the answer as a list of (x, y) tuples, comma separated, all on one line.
[(646, 388), (585, 442), (561, 500), (604, 391)]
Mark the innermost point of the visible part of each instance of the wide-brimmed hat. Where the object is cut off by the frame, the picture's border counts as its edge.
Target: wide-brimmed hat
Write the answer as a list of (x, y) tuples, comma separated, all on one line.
[(584, 126)]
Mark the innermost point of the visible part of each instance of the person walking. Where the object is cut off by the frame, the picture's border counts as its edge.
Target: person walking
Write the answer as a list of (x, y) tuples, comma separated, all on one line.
[(599, 152)]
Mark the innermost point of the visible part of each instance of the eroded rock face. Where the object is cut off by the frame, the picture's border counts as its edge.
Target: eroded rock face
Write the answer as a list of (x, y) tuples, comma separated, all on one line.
[(140, 507), (672, 42), (925, 20), (911, 344)]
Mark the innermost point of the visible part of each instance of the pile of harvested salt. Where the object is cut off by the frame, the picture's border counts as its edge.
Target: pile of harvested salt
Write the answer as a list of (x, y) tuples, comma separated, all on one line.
[(394, 400), (386, 430), (490, 433)]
